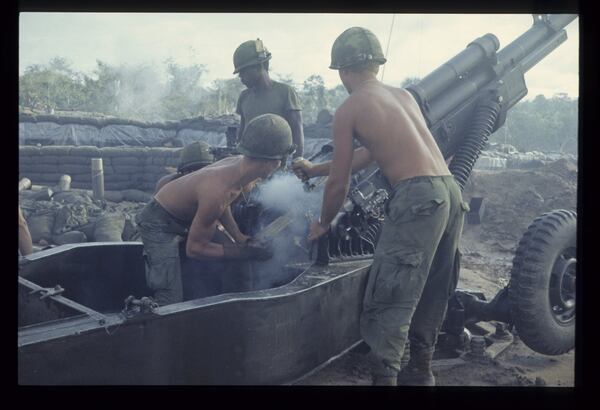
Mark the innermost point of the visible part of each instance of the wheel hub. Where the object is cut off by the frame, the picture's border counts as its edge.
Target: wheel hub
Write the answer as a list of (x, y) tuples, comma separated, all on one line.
[(562, 289)]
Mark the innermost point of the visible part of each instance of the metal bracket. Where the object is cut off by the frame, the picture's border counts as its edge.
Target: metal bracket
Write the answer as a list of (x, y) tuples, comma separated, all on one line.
[(134, 307), (55, 294), (57, 290)]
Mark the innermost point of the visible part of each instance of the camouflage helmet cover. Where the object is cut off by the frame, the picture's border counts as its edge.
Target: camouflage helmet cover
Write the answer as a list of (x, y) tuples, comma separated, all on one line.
[(194, 156), (355, 45), (267, 136), (249, 53)]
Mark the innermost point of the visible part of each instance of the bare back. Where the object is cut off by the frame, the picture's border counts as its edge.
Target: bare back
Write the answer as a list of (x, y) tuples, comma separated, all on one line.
[(388, 122), (209, 187)]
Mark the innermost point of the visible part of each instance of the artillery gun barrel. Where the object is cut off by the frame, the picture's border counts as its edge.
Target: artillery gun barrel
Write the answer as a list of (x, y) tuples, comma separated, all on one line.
[(451, 71), (523, 53), (546, 29)]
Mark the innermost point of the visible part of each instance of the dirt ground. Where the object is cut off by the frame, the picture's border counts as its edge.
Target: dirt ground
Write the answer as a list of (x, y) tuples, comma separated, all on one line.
[(514, 198)]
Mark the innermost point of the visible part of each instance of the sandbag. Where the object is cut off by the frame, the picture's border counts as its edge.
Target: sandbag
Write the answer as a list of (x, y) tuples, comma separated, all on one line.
[(113, 196), (72, 197), (69, 237), (69, 217), (40, 226), (44, 194), (109, 227), (88, 228), (135, 195)]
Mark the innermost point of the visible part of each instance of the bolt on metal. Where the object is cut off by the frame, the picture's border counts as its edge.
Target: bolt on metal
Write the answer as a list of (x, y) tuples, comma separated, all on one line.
[(478, 346)]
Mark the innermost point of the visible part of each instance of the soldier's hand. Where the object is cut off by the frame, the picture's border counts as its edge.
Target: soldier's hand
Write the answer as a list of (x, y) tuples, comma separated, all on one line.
[(316, 231), (259, 242), (302, 168), (260, 252), (246, 251)]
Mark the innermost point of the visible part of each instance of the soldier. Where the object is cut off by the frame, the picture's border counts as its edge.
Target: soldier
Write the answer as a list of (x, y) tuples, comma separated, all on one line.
[(263, 95), (192, 204), (193, 157), (25, 243), (413, 271)]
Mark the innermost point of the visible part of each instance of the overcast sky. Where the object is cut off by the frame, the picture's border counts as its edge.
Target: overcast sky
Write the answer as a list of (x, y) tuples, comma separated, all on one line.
[(300, 43)]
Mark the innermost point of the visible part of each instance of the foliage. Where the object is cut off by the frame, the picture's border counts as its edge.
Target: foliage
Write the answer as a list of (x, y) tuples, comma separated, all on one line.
[(183, 92), (221, 97), (542, 124), (51, 87), (141, 92)]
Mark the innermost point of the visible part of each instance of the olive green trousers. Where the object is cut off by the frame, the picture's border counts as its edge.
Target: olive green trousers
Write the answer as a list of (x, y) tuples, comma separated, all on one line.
[(161, 234), (414, 268), (164, 239)]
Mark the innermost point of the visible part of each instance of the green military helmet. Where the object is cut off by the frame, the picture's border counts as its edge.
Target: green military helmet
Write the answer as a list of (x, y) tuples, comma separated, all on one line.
[(355, 45), (194, 156), (249, 53), (267, 136)]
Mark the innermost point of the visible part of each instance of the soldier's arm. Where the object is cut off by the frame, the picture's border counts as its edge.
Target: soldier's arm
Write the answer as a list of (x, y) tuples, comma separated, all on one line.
[(336, 186), (241, 128), (202, 230), (294, 118), (239, 111), (361, 159), (25, 242), (232, 227)]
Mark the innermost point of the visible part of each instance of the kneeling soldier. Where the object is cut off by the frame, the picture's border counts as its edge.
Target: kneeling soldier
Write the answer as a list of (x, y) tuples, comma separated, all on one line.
[(193, 204)]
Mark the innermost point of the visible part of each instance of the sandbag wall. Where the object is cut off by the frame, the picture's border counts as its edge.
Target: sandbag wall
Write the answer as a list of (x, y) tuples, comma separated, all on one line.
[(124, 167), (61, 130)]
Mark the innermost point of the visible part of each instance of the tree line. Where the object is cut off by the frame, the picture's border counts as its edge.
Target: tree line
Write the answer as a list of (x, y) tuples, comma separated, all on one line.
[(141, 92)]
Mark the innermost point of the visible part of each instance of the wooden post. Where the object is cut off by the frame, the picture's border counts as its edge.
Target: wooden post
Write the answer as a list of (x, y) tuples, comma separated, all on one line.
[(24, 183), (97, 178)]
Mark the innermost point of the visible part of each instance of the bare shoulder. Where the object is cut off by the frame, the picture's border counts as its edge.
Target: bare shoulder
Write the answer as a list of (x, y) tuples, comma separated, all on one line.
[(350, 105)]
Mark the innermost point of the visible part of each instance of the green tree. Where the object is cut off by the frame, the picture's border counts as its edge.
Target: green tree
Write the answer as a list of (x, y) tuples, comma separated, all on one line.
[(50, 87), (542, 124), (221, 97), (101, 91), (313, 97), (183, 93)]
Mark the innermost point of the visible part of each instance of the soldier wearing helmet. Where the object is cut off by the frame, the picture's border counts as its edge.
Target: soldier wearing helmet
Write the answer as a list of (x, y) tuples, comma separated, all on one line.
[(192, 205), (264, 95), (415, 263), (193, 157)]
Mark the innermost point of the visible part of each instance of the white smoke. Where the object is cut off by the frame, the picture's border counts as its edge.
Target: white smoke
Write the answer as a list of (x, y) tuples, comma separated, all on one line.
[(285, 193)]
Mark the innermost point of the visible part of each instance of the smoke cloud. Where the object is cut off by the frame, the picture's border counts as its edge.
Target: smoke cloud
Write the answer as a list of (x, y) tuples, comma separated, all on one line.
[(285, 193)]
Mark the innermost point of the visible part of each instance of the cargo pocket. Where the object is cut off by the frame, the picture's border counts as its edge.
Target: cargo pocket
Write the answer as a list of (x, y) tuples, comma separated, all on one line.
[(398, 277), (161, 270), (427, 208)]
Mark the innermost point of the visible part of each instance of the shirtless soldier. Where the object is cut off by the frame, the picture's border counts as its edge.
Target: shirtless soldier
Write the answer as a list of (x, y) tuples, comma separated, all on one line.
[(412, 275), (193, 204), (193, 157)]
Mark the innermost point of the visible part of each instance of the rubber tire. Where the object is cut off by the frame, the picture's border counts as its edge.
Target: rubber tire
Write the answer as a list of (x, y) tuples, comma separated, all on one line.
[(549, 236)]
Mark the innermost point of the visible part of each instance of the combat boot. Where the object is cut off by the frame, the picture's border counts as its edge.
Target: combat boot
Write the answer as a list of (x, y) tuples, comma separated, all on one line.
[(382, 373), (418, 370)]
